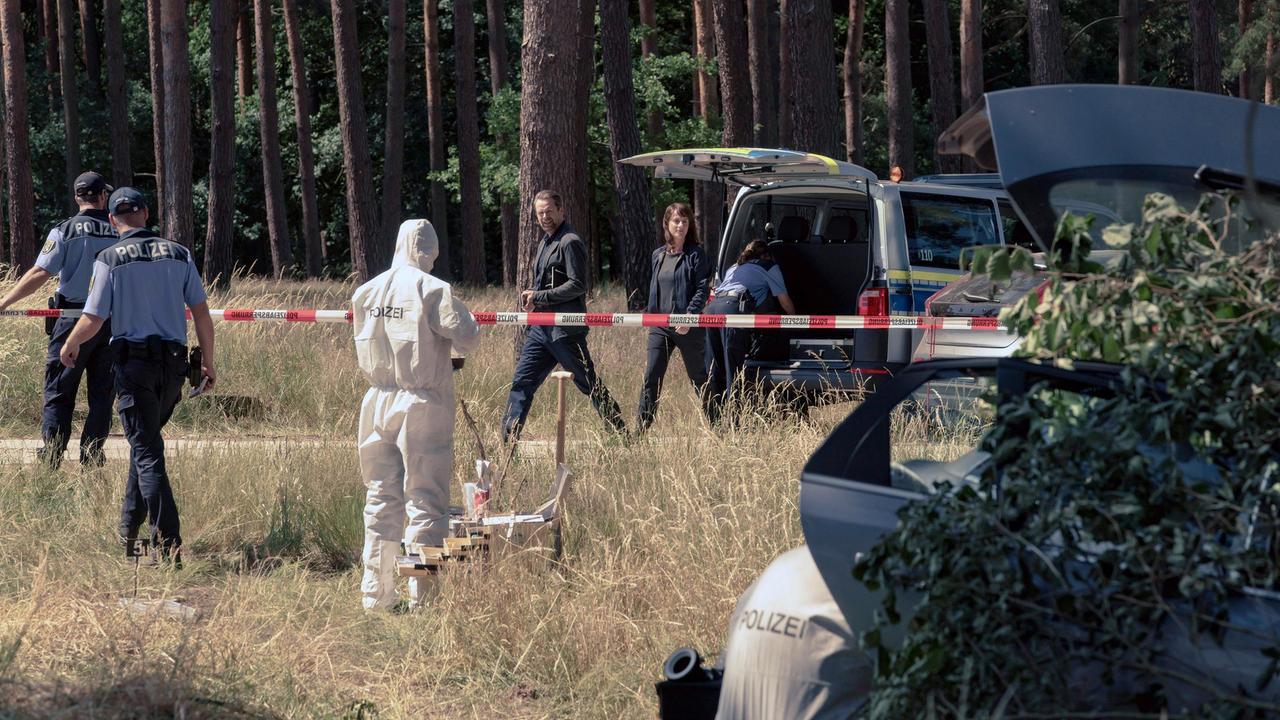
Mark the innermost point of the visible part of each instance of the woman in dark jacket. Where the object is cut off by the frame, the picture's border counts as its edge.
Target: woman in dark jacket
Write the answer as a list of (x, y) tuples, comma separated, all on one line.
[(681, 273)]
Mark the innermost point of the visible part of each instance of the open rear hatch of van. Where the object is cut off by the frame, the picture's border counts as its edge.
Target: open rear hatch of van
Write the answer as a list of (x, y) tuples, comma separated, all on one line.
[(820, 235)]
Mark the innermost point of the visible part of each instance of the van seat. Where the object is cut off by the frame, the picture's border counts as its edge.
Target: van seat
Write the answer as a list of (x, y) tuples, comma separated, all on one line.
[(793, 229), (840, 230)]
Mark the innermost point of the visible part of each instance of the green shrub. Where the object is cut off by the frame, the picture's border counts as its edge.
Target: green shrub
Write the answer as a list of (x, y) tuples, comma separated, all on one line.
[(1119, 524)]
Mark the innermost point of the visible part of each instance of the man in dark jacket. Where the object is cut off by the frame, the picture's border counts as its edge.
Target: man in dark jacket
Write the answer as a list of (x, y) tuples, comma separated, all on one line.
[(560, 285)]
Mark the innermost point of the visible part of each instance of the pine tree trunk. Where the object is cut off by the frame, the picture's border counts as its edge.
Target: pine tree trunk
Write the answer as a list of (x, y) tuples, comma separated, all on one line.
[(4, 175), (435, 120), (708, 90), (649, 47), (760, 68), (113, 30), (547, 108), (1206, 52), (306, 155), (708, 198), (156, 56), (815, 121), (470, 228), (498, 72), (635, 231), (942, 93), (1127, 66), (1048, 64), (49, 10), (393, 145), (269, 135), (1245, 8), (22, 242), (897, 60), (1269, 87), (70, 100), (971, 73), (498, 60), (367, 258), (578, 197), (853, 83), (218, 261), (786, 98), (179, 220), (735, 78), (91, 45), (244, 49)]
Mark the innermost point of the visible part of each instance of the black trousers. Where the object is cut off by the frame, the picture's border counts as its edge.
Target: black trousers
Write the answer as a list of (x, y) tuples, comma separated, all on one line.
[(661, 343), (726, 353), (538, 358), (61, 384), (149, 379)]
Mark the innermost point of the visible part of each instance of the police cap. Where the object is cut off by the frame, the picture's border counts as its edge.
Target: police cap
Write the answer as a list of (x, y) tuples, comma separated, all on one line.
[(91, 183), (126, 200)]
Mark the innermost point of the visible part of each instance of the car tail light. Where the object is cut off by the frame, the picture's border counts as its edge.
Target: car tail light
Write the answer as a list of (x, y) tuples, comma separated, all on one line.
[(874, 302), (928, 309)]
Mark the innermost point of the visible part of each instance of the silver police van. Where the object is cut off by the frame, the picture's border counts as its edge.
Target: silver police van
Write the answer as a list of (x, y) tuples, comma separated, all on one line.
[(847, 244)]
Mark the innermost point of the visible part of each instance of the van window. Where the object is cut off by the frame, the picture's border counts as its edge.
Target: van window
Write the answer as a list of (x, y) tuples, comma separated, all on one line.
[(940, 226), (1015, 231)]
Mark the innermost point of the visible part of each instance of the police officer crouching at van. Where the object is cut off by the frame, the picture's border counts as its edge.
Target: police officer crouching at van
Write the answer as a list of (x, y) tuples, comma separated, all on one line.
[(69, 252), (142, 283)]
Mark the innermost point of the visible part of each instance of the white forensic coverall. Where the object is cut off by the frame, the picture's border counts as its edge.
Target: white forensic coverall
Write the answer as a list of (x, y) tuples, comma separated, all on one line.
[(406, 321), (790, 652)]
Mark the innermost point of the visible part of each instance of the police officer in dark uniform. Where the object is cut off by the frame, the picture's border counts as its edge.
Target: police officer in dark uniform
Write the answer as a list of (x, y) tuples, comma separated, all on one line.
[(560, 285), (69, 252), (142, 283)]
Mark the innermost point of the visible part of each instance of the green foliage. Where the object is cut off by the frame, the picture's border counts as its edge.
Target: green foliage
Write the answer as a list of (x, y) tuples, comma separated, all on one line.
[(1107, 531)]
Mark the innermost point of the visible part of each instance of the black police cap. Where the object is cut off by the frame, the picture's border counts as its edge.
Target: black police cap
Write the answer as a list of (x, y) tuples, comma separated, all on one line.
[(126, 200), (91, 183)]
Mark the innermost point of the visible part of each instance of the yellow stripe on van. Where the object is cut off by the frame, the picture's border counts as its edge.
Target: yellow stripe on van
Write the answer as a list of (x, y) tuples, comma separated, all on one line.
[(832, 168), (928, 275)]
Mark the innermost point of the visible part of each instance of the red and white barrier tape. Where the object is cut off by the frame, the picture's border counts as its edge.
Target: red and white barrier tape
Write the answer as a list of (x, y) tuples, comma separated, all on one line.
[(759, 322)]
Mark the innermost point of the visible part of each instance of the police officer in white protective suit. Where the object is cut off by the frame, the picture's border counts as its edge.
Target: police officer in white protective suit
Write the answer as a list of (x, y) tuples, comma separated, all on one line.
[(791, 653), (406, 321)]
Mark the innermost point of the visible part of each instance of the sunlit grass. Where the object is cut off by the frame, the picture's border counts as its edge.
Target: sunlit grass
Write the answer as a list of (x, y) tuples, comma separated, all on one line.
[(661, 537)]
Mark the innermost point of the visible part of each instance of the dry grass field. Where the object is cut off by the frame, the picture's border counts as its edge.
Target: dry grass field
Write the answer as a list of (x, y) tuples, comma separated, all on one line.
[(661, 536)]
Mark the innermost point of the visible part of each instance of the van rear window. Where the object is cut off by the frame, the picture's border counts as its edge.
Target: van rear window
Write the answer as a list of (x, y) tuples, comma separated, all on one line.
[(939, 227)]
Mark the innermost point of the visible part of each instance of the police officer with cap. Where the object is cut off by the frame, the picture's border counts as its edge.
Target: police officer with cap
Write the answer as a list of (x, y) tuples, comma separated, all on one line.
[(69, 252), (142, 283)]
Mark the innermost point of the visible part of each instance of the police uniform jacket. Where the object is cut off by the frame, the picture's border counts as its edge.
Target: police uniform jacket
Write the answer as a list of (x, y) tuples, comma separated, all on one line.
[(561, 280), (144, 283), (791, 653), (70, 250)]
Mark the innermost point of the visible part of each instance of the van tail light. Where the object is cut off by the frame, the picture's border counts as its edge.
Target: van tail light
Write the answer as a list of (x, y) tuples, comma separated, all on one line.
[(874, 302)]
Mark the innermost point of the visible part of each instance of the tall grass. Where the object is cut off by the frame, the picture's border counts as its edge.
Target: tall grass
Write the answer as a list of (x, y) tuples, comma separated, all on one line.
[(661, 536)]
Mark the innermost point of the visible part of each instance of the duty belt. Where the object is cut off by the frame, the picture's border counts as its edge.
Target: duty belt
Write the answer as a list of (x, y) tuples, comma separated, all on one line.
[(153, 348)]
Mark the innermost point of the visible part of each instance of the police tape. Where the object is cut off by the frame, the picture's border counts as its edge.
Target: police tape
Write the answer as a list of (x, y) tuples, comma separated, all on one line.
[(633, 320)]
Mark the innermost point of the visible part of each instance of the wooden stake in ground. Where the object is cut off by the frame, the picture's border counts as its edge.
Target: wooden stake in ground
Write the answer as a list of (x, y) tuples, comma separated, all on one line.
[(560, 376)]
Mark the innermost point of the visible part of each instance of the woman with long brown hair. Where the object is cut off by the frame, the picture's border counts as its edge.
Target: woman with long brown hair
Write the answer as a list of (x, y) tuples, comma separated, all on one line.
[(678, 285)]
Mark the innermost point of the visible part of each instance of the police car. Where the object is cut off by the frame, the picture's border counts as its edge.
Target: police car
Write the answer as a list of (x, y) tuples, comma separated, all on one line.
[(847, 244)]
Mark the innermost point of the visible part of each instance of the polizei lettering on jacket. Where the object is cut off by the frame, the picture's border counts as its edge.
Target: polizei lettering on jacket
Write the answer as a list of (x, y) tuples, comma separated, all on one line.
[(151, 250), (773, 622), (388, 311)]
